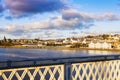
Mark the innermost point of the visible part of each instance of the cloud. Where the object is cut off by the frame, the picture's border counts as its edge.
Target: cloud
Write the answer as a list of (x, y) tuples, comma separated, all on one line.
[(87, 17), (109, 17), (68, 20), (19, 7), (114, 32), (86, 33), (58, 23), (8, 17), (1, 30), (13, 29), (52, 24), (51, 34), (1, 8)]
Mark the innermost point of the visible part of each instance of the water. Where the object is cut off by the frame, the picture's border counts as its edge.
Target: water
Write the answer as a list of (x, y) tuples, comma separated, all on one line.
[(13, 54)]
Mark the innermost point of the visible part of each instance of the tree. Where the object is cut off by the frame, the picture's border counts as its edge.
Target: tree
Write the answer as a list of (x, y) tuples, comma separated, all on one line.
[(5, 40), (10, 41), (105, 36)]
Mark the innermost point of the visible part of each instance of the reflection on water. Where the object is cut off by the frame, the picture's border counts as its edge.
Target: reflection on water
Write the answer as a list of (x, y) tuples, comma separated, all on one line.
[(98, 52), (20, 54), (68, 51), (101, 52)]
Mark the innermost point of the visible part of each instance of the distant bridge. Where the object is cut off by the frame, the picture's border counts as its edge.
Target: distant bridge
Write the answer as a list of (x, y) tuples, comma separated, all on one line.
[(77, 68)]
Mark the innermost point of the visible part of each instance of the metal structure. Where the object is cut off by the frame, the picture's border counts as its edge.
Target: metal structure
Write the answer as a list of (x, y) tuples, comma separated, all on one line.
[(77, 68)]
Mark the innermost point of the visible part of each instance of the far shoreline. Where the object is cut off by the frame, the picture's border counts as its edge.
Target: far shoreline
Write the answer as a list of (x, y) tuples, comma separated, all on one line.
[(58, 48)]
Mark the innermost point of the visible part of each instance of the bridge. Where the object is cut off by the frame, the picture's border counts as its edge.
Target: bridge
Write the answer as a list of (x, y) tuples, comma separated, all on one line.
[(105, 67)]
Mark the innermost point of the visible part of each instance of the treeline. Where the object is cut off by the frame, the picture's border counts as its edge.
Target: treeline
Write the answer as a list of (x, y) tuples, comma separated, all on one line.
[(6, 42)]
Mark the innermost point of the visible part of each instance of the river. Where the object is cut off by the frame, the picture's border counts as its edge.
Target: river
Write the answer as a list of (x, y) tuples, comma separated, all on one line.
[(14, 54)]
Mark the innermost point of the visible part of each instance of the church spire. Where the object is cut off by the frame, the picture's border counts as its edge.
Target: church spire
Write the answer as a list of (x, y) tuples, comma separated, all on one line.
[(5, 40)]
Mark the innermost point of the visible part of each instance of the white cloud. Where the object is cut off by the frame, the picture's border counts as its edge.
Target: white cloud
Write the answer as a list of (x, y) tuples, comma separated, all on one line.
[(68, 20), (88, 17)]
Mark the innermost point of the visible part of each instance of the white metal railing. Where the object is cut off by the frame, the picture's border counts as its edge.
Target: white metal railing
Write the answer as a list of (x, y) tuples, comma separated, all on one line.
[(77, 68), (103, 70), (55, 72)]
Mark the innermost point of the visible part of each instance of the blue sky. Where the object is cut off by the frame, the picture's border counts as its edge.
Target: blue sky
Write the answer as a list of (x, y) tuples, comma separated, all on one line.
[(51, 19)]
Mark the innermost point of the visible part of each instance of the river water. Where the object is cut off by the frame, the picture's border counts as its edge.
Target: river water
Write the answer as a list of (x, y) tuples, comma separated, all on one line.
[(13, 54)]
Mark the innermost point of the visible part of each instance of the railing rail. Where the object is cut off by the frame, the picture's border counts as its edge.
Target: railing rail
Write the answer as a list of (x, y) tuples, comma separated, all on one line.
[(106, 67)]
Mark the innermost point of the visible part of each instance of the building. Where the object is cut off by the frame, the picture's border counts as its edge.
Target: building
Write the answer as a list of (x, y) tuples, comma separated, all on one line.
[(92, 45), (118, 46), (84, 41), (71, 41), (74, 41), (29, 45), (106, 45), (66, 41), (100, 45)]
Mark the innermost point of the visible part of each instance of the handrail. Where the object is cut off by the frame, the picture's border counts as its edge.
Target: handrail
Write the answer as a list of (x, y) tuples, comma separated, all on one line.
[(55, 61), (104, 67)]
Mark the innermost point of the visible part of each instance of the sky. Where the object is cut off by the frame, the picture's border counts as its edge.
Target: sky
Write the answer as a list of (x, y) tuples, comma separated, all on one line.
[(53, 19)]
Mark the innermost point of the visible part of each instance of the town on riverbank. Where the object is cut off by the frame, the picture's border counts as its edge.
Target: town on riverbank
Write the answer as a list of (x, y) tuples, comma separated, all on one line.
[(99, 42)]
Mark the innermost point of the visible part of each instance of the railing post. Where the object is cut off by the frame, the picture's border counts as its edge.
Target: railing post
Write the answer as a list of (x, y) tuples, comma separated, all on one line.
[(67, 71)]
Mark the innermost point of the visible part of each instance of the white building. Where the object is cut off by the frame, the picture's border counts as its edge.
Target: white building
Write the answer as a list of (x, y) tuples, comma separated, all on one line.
[(66, 41), (29, 45), (100, 45), (70, 41), (40, 44), (84, 41), (59, 43), (116, 38), (118, 46), (92, 45), (106, 45), (74, 41)]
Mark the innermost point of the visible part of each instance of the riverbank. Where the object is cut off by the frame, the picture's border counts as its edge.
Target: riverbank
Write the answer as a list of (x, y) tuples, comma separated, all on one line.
[(58, 48), (85, 49)]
